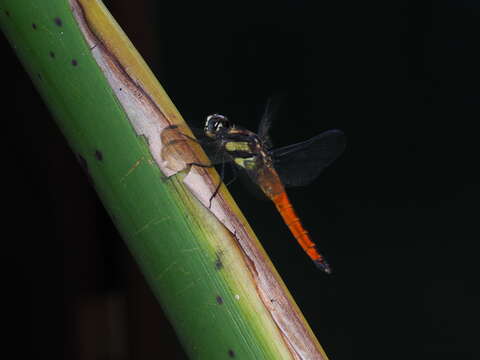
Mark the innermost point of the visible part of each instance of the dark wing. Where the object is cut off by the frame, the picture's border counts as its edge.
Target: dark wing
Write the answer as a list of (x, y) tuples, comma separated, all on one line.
[(299, 164), (266, 121)]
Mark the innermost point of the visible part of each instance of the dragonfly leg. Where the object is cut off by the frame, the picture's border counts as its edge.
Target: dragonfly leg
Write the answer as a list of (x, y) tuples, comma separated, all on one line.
[(235, 174), (200, 165), (222, 173), (219, 183), (177, 128), (222, 176)]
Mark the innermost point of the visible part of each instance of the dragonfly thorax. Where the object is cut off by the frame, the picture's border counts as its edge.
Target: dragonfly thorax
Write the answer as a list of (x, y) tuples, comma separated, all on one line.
[(216, 124)]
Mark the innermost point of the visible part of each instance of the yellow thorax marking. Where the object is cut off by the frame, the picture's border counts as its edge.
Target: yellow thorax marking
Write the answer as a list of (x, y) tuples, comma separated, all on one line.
[(246, 163), (237, 146)]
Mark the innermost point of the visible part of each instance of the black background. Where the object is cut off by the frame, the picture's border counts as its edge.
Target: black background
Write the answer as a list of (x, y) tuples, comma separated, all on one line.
[(396, 215)]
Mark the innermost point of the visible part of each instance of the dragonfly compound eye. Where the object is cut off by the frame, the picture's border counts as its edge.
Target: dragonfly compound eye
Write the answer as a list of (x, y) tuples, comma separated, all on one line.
[(214, 123)]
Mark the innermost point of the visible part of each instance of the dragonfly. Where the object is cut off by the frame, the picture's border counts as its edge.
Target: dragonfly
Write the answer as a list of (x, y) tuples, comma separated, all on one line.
[(273, 169)]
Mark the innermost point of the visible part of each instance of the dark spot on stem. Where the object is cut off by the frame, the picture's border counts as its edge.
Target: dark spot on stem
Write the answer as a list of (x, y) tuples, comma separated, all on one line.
[(39, 76), (7, 13), (58, 21), (98, 155), (34, 26), (231, 353), (219, 300), (52, 54), (74, 62), (218, 261)]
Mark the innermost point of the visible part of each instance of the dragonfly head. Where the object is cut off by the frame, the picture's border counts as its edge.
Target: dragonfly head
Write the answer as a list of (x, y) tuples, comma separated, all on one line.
[(214, 124)]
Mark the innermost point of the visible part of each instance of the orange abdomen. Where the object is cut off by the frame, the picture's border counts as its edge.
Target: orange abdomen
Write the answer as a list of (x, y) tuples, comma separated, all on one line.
[(285, 208)]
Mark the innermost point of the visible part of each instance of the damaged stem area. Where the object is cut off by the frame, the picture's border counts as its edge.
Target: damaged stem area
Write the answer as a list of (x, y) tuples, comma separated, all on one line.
[(180, 151)]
